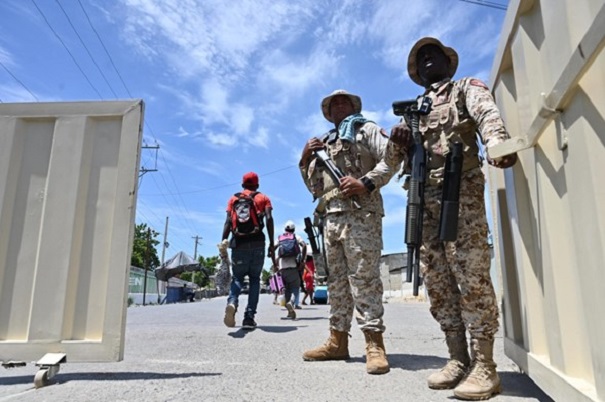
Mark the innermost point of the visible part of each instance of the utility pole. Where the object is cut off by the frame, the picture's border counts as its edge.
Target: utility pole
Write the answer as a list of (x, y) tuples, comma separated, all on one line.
[(143, 169), (147, 263), (197, 239), (164, 246)]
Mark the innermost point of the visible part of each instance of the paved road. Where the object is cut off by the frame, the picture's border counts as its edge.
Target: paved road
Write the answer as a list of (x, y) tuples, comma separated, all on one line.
[(183, 352)]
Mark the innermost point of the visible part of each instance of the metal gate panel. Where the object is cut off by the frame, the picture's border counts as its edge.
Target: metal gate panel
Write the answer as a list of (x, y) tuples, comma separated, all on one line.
[(68, 181), (549, 209)]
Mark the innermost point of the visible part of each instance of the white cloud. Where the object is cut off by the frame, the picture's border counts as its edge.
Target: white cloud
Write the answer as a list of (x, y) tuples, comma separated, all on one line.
[(241, 118), (214, 102), (260, 139), (212, 37), (13, 93), (295, 74), (218, 140)]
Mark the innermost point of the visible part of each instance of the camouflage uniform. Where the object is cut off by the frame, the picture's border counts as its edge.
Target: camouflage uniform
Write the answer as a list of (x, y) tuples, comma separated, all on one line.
[(353, 237), (456, 274)]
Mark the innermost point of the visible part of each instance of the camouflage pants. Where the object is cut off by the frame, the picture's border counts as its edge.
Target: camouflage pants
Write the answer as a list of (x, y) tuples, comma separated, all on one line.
[(456, 274), (353, 242)]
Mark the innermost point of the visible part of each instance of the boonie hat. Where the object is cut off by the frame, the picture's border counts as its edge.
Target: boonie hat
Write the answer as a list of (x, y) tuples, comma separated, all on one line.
[(250, 178), (448, 51), (325, 103)]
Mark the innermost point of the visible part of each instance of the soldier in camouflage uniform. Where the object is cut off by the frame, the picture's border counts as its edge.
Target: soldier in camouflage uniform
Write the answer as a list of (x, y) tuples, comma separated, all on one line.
[(456, 274), (352, 234)]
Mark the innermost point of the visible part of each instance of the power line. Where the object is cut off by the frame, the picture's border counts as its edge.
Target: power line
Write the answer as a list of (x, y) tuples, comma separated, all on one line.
[(224, 185), (67, 49), (86, 48), (179, 201), (19, 81), (486, 4), (113, 64), (105, 48)]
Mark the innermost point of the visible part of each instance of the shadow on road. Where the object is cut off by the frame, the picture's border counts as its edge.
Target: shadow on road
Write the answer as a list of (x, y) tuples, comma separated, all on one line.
[(241, 333), (410, 362), (92, 376), (518, 385), (513, 384)]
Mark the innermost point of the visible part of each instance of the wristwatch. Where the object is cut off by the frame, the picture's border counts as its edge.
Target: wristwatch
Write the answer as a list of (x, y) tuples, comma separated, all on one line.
[(368, 184)]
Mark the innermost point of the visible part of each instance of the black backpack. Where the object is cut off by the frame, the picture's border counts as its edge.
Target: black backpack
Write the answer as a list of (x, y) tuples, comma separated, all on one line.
[(245, 219)]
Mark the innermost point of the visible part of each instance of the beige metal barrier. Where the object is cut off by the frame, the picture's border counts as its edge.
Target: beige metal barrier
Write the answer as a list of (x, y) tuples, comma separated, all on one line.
[(68, 180), (549, 210)]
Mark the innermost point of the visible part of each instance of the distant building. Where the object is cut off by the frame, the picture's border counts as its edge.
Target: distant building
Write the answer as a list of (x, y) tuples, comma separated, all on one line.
[(392, 271)]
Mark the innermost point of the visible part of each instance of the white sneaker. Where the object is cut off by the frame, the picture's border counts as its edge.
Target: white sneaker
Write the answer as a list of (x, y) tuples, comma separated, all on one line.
[(229, 319)]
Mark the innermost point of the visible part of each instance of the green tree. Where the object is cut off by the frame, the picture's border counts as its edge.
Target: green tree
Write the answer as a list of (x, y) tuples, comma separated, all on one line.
[(265, 276), (202, 279), (145, 242)]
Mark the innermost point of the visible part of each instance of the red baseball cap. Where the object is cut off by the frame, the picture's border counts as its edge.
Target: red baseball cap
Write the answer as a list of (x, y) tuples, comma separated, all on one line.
[(250, 178)]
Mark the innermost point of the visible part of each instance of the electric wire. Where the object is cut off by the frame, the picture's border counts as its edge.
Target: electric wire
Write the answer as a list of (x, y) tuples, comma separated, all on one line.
[(86, 48), (19, 81), (105, 48), (486, 4), (179, 202), (205, 190), (67, 49)]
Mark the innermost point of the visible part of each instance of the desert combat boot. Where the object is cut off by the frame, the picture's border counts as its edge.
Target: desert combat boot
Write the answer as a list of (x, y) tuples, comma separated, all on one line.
[(455, 369), (376, 357), (481, 381), (335, 348)]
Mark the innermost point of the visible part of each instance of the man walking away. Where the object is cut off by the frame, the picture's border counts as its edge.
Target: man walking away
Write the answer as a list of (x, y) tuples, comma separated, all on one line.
[(291, 250), (248, 212)]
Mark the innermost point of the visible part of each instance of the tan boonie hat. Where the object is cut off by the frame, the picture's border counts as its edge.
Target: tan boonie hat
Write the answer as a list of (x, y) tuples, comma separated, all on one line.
[(325, 103), (413, 67)]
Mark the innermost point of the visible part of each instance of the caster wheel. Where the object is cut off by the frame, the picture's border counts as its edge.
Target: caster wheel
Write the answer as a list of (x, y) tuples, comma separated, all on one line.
[(41, 378)]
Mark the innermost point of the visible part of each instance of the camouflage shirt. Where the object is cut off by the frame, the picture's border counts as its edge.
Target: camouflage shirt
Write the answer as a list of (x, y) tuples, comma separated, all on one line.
[(460, 109), (363, 158)]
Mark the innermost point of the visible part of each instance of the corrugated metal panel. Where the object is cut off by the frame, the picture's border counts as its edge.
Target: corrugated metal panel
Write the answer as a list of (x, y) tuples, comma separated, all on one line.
[(68, 179), (548, 80)]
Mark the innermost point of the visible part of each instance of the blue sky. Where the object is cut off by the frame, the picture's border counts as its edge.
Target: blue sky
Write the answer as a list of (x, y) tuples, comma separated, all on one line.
[(231, 87)]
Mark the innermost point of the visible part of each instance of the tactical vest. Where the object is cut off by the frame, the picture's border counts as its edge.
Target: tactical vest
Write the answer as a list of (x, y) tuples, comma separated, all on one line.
[(448, 122), (353, 159)]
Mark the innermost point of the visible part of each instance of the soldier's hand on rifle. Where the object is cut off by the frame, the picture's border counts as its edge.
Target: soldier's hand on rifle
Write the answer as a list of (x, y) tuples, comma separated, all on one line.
[(503, 162), (350, 186), (313, 144), (401, 135)]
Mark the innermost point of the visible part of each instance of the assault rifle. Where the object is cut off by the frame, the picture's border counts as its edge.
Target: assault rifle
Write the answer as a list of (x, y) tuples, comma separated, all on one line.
[(411, 110), (333, 171)]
